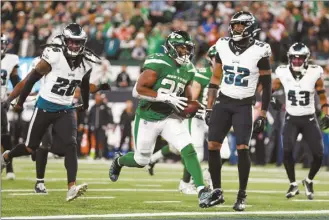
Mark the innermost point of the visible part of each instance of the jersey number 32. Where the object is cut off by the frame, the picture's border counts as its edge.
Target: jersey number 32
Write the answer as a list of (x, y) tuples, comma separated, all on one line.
[(65, 87)]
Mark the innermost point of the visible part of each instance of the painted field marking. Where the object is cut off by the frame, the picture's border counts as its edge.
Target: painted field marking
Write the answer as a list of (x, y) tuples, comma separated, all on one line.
[(97, 197), (151, 202), (28, 194), (317, 193), (132, 215), (307, 200), (148, 185)]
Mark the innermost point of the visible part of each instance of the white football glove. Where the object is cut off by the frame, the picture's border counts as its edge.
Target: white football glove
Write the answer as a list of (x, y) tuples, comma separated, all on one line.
[(177, 102), (201, 112)]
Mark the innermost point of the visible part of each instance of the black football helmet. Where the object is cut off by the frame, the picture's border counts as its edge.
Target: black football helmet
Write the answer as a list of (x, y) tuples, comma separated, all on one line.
[(248, 21), (4, 44), (298, 56), (74, 39)]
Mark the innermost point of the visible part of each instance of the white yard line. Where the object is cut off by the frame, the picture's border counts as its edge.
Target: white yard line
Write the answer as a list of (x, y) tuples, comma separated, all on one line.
[(97, 197), (152, 202), (28, 194), (132, 215), (317, 193), (307, 200)]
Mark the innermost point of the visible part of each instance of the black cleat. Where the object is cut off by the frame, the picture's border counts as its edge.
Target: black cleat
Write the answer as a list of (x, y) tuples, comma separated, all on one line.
[(115, 168), (309, 192), (209, 198), (292, 191), (150, 169), (40, 188), (240, 203)]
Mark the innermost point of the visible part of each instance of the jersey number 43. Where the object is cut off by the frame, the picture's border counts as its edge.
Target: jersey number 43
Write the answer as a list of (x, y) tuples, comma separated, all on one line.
[(304, 95), (230, 77), (65, 87)]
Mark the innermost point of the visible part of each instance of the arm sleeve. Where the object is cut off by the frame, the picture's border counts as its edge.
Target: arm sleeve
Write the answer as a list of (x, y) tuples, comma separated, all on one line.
[(266, 82), (264, 64)]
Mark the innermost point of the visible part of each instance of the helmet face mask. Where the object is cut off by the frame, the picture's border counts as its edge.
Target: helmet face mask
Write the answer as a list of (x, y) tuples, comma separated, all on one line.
[(180, 47), (74, 39), (298, 56), (243, 25), (4, 44), (211, 54)]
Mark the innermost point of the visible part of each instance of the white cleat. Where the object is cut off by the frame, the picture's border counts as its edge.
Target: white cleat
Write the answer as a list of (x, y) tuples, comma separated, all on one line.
[(76, 191), (10, 176), (187, 188)]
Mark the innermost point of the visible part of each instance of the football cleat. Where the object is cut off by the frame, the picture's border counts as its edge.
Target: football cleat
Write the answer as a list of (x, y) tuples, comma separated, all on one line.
[(115, 168), (309, 192), (240, 203), (292, 191), (187, 188), (4, 163), (76, 191), (10, 176), (150, 169), (209, 198), (40, 187)]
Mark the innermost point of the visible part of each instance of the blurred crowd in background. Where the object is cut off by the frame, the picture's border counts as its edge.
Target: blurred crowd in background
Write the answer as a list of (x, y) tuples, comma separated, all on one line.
[(122, 32)]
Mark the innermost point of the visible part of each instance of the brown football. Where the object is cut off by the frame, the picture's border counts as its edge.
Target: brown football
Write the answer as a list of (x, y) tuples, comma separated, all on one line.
[(191, 109)]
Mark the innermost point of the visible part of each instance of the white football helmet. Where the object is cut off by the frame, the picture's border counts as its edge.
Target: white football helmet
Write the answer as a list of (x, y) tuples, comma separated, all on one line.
[(4, 44), (74, 39), (298, 56)]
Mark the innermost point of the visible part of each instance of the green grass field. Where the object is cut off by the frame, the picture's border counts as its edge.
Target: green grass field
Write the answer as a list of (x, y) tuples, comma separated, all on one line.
[(138, 195)]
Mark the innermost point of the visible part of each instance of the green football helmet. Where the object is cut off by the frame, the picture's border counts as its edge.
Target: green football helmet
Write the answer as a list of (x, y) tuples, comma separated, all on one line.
[(177, 39)]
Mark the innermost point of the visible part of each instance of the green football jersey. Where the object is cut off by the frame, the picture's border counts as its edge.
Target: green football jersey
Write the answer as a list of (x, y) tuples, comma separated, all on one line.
[(172, 78), (203, 76)]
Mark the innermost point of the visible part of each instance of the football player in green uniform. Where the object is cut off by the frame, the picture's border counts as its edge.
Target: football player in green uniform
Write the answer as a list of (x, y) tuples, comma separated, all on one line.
[(164, 87), (196, 125)]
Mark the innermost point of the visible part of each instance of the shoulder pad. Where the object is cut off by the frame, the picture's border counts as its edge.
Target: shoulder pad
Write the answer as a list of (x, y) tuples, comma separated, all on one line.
[(51, 54), (280, 69), (264, 47)]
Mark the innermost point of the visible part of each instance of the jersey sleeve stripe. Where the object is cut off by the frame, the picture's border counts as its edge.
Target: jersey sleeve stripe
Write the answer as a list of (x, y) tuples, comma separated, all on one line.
[(200, 76), (157, 61)]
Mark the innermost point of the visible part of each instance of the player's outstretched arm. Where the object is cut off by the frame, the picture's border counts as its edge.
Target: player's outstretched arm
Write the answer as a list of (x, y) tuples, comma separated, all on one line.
[(14, 77), (42, 68)]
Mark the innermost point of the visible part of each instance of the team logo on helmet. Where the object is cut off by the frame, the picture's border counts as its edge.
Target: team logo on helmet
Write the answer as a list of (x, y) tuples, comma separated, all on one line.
[(180, 47), (74, 39), (298, 56), (249, 28)]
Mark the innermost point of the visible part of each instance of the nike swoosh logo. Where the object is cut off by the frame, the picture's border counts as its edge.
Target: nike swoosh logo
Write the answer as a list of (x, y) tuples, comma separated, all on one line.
[(311, 119)]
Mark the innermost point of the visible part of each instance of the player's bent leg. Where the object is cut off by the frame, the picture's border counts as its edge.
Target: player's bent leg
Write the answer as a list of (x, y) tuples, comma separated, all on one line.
[(6, 143), (165, 151)]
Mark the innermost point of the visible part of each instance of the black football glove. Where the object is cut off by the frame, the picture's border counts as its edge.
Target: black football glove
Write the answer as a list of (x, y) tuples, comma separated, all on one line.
[(324, 123), (207, 117), (5, 105), (276, 104), (259, 124)]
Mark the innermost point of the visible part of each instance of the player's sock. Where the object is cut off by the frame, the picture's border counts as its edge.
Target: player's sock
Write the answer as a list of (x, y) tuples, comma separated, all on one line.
[(128, 160), (41, 162), (316, 165), (244, 164), (289, 165), (156, 156), (215, 166), (71, 164), (17, 151), (192, 164), (165, 150)]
